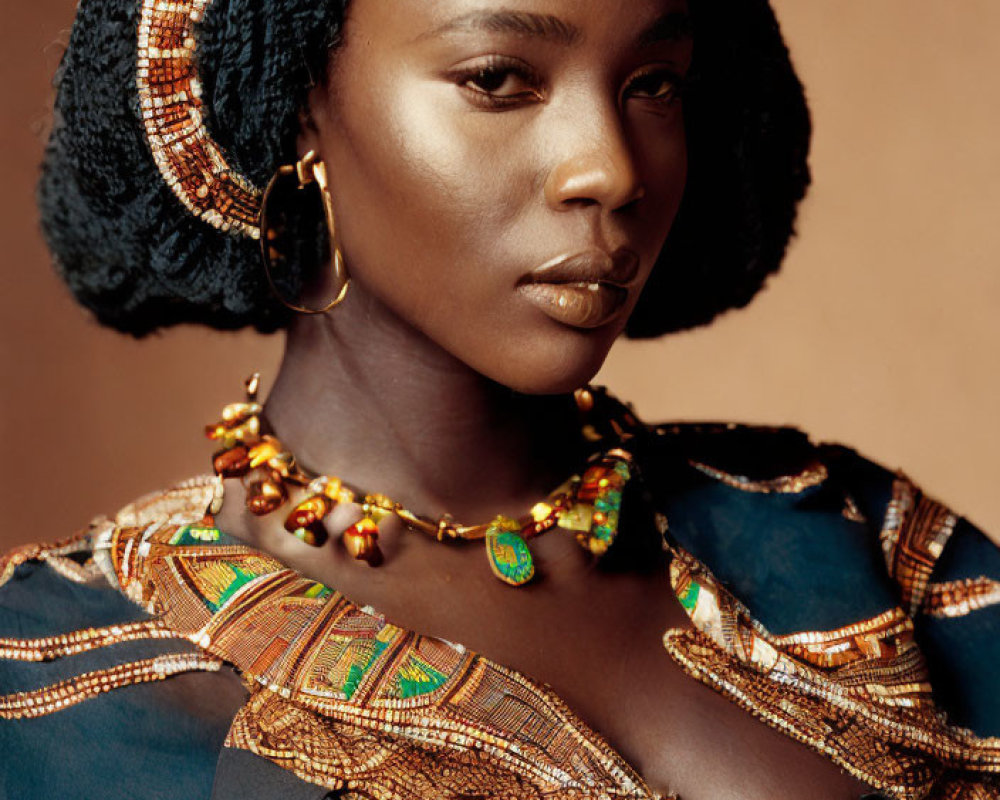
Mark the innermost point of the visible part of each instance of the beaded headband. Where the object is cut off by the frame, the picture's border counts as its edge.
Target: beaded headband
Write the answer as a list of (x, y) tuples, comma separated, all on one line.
[(190, 161)]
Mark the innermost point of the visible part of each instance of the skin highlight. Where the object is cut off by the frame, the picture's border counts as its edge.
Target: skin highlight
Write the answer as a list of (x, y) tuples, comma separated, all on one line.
[(469, 144)]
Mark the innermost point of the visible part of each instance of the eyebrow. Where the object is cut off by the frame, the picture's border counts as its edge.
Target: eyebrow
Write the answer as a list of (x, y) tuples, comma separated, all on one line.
[(519, 23), (672, 27)]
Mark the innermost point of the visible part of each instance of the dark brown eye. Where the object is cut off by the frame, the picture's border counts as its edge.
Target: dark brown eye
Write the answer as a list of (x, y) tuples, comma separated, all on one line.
[(490, 80), (500, 82), (655, 85)]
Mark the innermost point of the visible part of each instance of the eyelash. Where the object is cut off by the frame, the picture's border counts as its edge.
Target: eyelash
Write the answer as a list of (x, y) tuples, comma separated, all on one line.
[(500, 67)]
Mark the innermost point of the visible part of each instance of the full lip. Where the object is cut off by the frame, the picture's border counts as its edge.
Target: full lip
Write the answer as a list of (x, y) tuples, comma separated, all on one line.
[(619, 268)]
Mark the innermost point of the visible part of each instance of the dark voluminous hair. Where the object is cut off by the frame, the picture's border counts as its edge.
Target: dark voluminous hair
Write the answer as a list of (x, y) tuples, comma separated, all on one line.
[(131, 252)]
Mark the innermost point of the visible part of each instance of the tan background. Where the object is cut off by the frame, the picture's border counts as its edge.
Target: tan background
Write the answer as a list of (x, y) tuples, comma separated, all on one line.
[(882, 331)]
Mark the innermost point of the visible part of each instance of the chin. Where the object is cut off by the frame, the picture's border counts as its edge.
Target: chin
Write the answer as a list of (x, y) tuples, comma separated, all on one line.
[(554, 366)]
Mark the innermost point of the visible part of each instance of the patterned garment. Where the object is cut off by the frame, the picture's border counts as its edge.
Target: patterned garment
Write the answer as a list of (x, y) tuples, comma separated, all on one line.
[(348, 702)]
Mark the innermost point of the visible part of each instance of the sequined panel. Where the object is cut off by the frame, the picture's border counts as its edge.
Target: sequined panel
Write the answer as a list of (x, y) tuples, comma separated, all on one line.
[(76, 690), (349, 701), (813, 475), (343, 666), (48, 648), (959, 598), (858, 695), (388, 762), (189, 160), (913, 536)]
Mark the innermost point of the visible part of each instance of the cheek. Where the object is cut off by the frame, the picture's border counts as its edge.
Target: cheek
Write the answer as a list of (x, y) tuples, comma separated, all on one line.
[(421, 196), (661, 154)]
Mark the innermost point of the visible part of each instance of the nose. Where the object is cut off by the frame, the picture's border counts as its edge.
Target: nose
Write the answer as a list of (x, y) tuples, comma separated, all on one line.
[(595, 165)]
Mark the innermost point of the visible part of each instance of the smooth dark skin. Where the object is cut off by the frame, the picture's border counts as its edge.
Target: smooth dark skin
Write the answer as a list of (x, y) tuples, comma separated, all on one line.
[(445, 200)]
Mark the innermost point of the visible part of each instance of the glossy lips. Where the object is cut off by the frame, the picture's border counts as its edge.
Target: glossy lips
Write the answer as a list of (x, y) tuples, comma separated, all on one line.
[(584, 290)]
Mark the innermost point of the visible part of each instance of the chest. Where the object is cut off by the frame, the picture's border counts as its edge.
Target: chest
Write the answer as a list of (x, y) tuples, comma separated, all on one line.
[(596, 640)]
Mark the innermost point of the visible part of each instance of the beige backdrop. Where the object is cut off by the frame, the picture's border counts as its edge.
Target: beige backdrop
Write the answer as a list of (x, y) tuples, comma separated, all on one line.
[(882, 331)]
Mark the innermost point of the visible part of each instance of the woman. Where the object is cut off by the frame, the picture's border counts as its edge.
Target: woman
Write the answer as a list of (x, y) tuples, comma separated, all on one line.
[(509, 187)]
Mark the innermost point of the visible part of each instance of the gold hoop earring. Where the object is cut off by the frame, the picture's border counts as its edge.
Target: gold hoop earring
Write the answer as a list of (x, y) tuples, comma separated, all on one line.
[(291, 180)]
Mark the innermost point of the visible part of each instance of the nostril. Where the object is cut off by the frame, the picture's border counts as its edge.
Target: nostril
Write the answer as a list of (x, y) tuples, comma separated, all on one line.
[(580, 202)]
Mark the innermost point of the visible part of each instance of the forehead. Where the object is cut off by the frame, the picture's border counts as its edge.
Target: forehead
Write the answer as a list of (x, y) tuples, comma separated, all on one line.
[(565, 22)]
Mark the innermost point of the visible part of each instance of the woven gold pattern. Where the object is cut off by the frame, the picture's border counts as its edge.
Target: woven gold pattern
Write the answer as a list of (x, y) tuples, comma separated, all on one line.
[(70, 644), (348, 701), (871, 712), (913, 535), (959, 598), (390, 761), (189, 160), (339, 665), (70, 692)]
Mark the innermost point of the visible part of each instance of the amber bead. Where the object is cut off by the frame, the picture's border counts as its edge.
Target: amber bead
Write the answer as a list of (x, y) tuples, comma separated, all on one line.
[(232, 463), (283, 463), (308, 513), (361, 541), (584, 400), (538, 528), (265, 496), (300, 518), (262, 452), (238, 413), (314, 535), (233, 435), (331, 487)]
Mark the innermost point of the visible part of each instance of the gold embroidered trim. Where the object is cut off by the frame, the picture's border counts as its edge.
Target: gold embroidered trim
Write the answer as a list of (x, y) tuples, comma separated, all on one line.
[(340, 666), (53, 554), (189, 160), (913, 536), (851, 512), (873, 714), (414, 758), (959, 598), (76, 690), (883, 637), (70, 644), (390, 699), (813, 475)]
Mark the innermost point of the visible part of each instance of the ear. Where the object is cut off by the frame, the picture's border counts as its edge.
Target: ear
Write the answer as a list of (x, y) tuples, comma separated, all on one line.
[(308, 138), (312, 116)]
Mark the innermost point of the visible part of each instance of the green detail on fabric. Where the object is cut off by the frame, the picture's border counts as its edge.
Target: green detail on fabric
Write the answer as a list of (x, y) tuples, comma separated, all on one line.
[(357, 672), (690, 597), (417, 677), (196, 534), (354, 676), (509, 557), (240, 579), (622, 470), (317, 591)]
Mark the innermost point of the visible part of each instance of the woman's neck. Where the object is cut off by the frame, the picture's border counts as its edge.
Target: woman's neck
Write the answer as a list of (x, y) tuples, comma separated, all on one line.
[(364, 396)]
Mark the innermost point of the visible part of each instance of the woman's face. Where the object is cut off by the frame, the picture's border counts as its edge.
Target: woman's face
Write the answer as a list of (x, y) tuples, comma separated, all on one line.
[(505, 172)]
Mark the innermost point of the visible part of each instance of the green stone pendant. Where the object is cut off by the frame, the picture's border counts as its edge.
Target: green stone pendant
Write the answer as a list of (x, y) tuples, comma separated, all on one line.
[(508, 554)]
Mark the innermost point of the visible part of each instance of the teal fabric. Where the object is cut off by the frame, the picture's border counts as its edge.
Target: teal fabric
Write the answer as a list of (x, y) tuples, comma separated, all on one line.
[(132, 743), (964, 653), (799, 564), (245, 776), (793, 559)]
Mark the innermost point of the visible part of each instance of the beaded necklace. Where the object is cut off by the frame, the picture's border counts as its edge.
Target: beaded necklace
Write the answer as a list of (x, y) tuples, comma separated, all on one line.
[(586, 505)]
